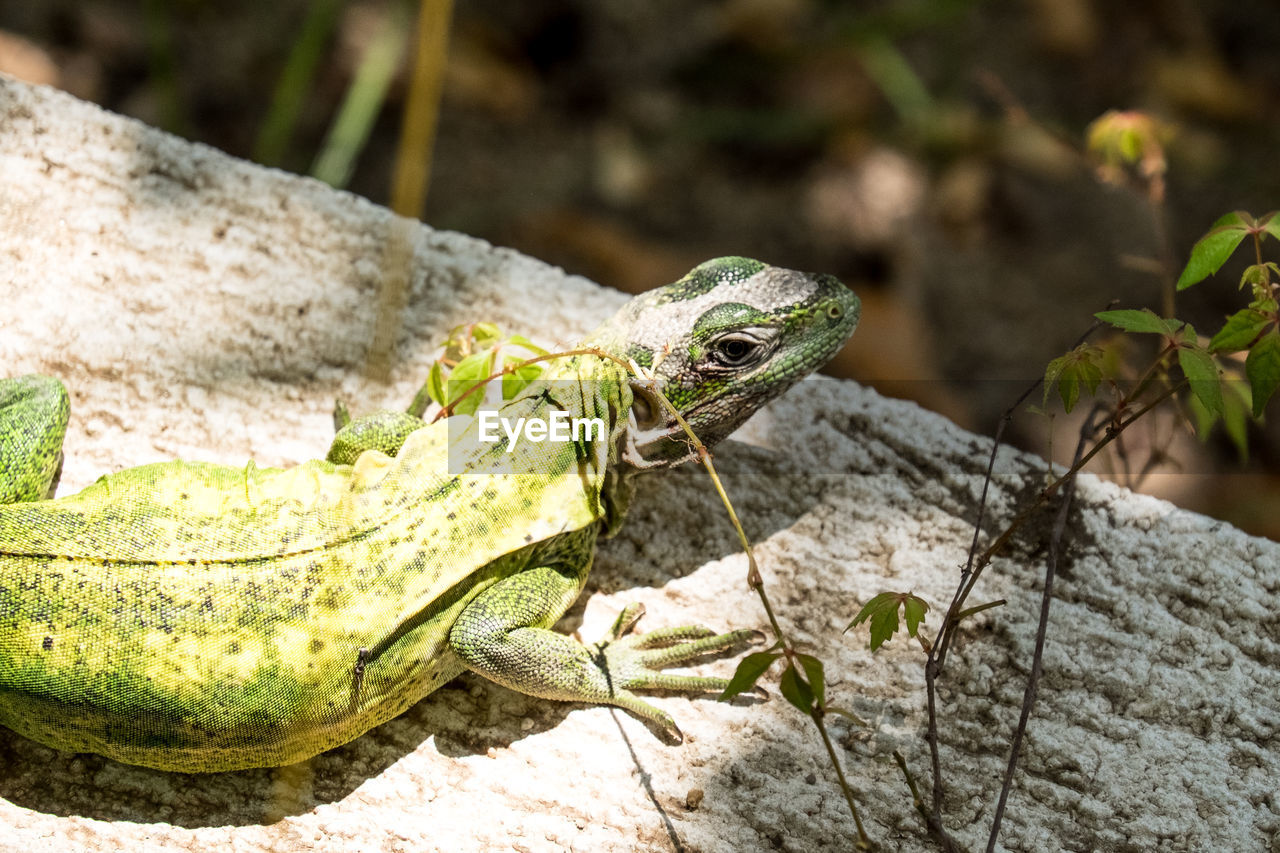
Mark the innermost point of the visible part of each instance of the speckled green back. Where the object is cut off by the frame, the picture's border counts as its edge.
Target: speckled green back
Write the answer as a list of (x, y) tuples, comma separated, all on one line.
[(198, 617)]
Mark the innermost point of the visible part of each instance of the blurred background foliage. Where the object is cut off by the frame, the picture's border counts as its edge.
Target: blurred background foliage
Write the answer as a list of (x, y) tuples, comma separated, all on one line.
[(926, 151)]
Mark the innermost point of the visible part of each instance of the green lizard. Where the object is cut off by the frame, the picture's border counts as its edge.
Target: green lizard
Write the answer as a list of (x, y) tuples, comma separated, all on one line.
[(195, 617)]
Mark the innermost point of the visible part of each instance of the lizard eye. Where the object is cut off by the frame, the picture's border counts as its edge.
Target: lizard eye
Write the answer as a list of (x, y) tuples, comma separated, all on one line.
[(736, 350)]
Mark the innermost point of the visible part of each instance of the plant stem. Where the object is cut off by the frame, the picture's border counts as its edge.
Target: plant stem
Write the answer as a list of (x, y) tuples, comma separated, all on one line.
[(949, 844), (864, 843), (347, 135)]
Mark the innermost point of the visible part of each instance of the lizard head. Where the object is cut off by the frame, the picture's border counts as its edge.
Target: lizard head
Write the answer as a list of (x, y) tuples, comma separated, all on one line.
[(722, 341)]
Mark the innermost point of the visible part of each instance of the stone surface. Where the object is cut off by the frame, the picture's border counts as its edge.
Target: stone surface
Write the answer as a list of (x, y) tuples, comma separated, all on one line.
[(202, 307)]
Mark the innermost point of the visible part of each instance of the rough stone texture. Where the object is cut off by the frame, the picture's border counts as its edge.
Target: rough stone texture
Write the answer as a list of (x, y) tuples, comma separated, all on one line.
[(203, 307)]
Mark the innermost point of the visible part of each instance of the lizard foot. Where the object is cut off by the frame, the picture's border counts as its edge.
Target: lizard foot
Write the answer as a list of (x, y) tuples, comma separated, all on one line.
[(635, 661)]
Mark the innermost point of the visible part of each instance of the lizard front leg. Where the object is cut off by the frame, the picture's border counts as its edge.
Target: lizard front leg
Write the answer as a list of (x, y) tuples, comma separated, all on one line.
[(33, 421), (504, 634)]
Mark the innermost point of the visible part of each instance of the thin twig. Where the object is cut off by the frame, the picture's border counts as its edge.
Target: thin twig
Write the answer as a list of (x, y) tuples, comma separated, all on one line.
[(973, 567), (937, 654), (756, 582), (1042, 629), (949, 625), (935, 827), (1112, 433)]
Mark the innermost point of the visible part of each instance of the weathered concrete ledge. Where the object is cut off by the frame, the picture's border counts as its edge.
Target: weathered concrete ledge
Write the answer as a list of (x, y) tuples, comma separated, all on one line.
[(203, 307)]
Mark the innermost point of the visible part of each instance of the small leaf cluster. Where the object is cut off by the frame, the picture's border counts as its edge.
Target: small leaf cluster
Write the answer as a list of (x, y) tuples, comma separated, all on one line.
[(882, 613), (1254, 329), (1120, 138), (803, 682), (1179, 338), (803, 685), (472, 354), (1082, 366)]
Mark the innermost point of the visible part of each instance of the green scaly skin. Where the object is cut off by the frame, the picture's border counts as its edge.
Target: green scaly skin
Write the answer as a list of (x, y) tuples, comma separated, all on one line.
[(35, 410), (200, 618)]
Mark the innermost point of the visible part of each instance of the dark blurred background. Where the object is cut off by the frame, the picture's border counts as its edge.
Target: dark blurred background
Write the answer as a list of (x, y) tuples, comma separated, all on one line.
[(928, 152)]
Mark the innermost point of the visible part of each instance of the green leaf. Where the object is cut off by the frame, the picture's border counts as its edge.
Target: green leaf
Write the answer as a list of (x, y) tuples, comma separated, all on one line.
[(1239, 218), (1082, 365), (1090, 371), (1258, 277), (1235, 417), (1056, 375), (1203, 376), (813, 674), (458, 345), (470, 338), (1265, 304), (1204, 419), (1052, 372), (878, 601), (471, 371), (883, 626), (1271, 224), (485, 335), (1240, 331), (1083, 371), (796, 690), (1212, 250), (1145, 320), (882, 610), (1068, 388), (750, 668), (882, 613), (1130, 145), (435, 384), (1263, 369), (913, 611), (1128, 137), (517, 380), (522, 341)]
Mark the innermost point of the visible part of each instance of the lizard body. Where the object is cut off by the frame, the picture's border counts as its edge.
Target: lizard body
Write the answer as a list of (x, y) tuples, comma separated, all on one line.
[(196, 617)]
